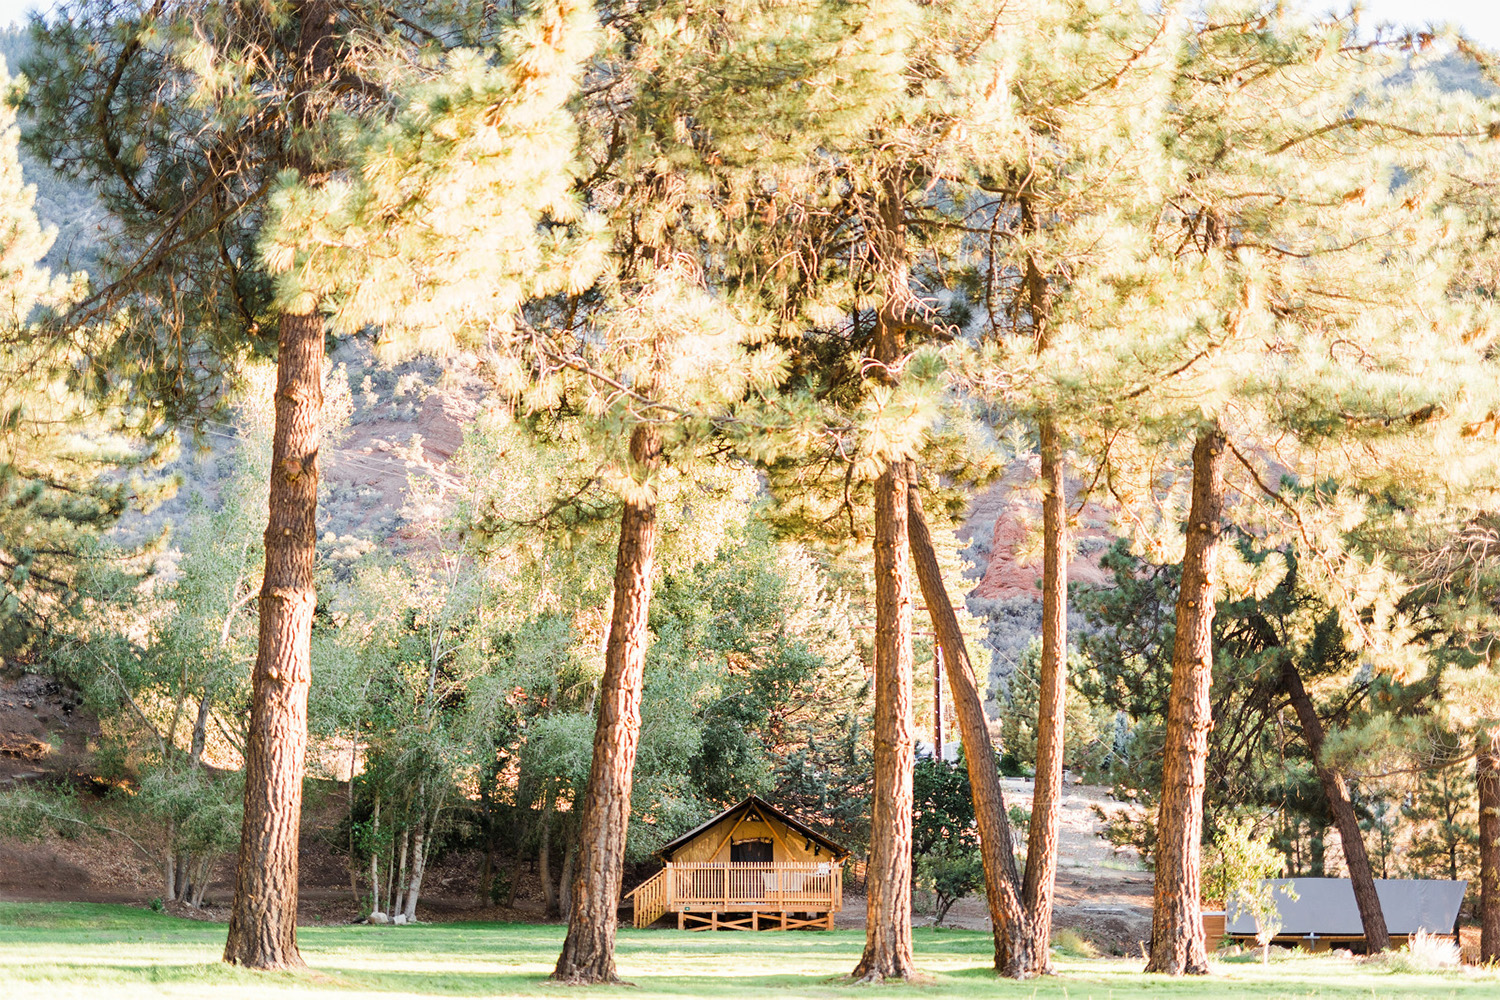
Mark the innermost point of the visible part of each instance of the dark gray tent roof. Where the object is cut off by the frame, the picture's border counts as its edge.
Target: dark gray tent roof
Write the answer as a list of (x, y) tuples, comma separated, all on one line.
[(756, 802), (1326, 907)]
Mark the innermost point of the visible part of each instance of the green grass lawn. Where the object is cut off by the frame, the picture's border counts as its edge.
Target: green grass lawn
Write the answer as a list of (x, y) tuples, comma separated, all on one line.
[(61, 950)]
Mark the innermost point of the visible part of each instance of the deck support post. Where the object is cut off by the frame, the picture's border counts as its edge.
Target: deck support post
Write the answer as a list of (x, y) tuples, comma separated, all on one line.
[(765, 896)]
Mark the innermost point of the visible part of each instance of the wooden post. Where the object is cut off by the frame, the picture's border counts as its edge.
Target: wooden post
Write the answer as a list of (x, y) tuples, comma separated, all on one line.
[(937, 703)]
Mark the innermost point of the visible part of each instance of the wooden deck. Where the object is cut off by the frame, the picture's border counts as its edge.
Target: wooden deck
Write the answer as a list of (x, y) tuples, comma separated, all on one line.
[(781, 895)]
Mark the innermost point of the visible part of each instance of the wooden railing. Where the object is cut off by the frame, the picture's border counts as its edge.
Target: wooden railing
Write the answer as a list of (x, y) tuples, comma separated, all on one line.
[(745, 885), (650, 899)]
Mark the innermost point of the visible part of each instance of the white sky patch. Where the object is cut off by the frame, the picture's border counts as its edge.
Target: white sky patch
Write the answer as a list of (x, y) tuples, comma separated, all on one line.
[(15, 11), (1479, 19)]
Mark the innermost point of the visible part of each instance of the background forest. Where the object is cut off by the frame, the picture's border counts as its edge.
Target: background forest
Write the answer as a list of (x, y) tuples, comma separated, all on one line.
[(1178, 332)]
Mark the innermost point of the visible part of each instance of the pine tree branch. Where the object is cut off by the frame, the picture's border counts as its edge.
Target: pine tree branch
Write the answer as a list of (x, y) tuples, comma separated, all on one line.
[(1357, 123), (1142, 390)]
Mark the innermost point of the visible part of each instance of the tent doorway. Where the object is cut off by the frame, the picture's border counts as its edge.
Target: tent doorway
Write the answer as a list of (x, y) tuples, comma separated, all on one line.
[(752, 851)]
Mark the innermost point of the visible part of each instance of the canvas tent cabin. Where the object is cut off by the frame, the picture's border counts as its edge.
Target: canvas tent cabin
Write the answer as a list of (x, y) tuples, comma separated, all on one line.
[(751, 867), (1324, 914)]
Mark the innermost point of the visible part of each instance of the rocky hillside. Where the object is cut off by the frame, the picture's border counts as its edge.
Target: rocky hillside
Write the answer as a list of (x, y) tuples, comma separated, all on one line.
[(1001, 534)]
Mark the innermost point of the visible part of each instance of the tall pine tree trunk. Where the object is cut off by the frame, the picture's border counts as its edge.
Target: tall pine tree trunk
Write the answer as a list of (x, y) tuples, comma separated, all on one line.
[(263, 917), (1042, 834), (1487, 774), (588, 953), (1177, 946), (1013, 939), (263, 921), (1046, 803), (887, 952), (1336, 790)]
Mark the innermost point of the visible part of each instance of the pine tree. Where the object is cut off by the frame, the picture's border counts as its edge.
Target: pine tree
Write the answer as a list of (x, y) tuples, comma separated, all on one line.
[(182, 116), (1213, 311), (1091, 160), (829, 216), (464, 222), (64, 447), (1270, 380), (262, 922), (1014, 935), (1451, 553)]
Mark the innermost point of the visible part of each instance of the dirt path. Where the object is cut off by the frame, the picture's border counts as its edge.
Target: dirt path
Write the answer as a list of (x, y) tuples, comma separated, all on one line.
[(1103, 893)]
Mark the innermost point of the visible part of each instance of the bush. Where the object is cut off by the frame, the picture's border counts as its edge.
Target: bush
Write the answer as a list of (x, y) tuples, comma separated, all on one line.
[(950, 873), (1423, 953), (1237, 860), (1011, 766), (1239, 863)]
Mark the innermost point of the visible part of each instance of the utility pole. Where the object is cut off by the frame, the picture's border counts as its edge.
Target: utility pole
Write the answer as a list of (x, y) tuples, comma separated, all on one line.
[(937, 702)]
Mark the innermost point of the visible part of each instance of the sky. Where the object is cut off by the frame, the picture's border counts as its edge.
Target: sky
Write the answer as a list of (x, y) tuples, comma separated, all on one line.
[(14, 10), (1480, 18)]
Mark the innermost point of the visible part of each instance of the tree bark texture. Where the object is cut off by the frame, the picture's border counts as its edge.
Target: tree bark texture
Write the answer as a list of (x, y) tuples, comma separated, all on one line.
[(1177, 946), (1013, 938), (588, 953), (1487, 773), (1042, 834), (887, 952), (200, 732), (263, 916), (418, 867), (937, 694), (263, 920), (398, 904), (1336, 790)]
